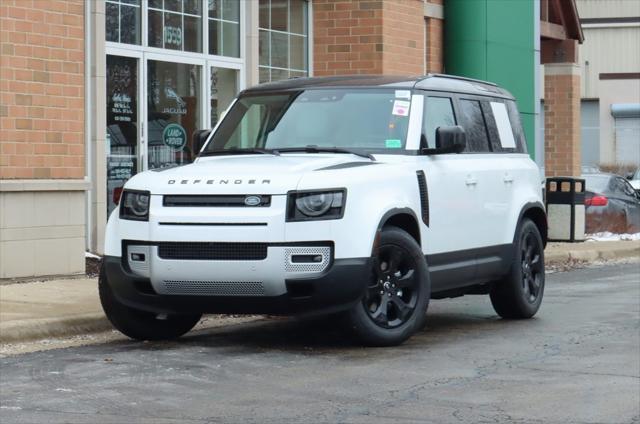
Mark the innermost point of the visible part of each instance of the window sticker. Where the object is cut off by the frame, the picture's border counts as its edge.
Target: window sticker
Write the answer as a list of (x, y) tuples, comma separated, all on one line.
[(504, 125), (403, 94), (401, 108), (393, 143)]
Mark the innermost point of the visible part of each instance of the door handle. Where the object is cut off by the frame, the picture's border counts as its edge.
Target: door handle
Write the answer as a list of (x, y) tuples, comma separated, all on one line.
[(507, 178), (470, 181)]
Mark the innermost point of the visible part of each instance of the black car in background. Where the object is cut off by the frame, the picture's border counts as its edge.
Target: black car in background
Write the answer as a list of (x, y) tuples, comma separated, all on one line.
[(611, 204)]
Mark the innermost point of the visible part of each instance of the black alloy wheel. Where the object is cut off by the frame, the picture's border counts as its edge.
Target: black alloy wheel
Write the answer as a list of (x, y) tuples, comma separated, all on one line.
[(393, 295)]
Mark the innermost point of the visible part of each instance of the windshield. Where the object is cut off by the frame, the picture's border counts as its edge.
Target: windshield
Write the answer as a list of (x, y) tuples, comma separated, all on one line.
[(358, 119), (596, 183)]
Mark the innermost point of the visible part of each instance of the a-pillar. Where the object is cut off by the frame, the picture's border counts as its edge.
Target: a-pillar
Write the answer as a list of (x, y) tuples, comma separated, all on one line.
[(562, 114)]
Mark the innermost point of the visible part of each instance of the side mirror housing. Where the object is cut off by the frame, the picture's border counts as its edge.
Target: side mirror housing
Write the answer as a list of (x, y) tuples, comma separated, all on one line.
[(451, 139), (199, 138)]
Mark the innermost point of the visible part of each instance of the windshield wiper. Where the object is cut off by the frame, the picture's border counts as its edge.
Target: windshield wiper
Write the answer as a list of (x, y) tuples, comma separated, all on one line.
[(237, 151), (319, 149)]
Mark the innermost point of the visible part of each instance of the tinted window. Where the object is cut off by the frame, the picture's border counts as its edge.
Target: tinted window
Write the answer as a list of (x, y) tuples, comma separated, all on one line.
[(474, 126), (438, 112), (516, 125), (624, 187)]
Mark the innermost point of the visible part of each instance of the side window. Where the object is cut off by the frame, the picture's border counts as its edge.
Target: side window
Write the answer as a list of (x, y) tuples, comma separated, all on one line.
[(438, 112), (474, 125), (623, 186), (516, 125)]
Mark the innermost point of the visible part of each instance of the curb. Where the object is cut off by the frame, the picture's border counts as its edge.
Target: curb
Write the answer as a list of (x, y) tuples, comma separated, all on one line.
[(37, 329), (593, 255)]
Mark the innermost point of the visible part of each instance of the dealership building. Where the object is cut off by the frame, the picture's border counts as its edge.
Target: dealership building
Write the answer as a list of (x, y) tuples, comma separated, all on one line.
[(94, 92)]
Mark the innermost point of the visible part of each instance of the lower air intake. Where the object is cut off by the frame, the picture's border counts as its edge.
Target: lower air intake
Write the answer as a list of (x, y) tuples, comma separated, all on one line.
[(213, 288)]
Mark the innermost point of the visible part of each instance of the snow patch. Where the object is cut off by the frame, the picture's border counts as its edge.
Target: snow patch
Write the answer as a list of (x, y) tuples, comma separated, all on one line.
[(607, 236), (91, 255)]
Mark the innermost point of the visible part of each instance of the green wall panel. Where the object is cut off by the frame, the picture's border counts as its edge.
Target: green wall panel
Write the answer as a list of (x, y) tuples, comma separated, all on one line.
[(493, 40)]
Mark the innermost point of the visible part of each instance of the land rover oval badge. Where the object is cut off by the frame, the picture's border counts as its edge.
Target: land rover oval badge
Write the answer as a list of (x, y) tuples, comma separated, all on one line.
[(252, 200)]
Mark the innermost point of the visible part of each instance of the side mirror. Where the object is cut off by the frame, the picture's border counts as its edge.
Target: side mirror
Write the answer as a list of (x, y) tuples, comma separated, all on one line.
[(199, 138), (448, 140)]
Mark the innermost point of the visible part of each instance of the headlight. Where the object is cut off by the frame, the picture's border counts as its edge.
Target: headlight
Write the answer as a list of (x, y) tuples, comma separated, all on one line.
[(134, 205), (316, 205)]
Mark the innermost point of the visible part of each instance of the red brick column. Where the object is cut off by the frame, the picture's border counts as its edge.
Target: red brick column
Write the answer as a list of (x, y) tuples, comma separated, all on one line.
[(562, 119), (435, 37), (42, 89), (368, 37)]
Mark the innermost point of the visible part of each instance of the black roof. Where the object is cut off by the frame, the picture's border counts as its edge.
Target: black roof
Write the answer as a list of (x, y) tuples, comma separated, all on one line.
[(432, 82)]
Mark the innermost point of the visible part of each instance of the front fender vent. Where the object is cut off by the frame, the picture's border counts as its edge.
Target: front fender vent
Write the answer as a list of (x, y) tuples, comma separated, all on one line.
[(424, 196)]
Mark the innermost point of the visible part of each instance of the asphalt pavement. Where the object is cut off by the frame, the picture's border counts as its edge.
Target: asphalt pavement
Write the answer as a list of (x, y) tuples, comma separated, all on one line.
[(577, 361)]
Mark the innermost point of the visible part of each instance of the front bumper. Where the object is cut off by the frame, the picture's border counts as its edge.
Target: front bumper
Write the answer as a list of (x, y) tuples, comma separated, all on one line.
[(336, 288)]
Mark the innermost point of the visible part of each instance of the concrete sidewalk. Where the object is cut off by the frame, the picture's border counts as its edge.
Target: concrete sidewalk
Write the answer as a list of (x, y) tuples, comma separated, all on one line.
[(61, 308)]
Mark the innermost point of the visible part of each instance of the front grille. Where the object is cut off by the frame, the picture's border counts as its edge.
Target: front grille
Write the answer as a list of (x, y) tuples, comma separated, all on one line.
[(220, 201), (213, 288), (213, 251)]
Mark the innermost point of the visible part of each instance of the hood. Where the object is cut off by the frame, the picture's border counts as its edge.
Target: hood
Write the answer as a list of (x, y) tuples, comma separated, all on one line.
[(239, 174)]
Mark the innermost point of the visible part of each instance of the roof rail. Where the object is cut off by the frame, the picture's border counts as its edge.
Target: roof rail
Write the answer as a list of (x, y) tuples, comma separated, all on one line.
[(461, 78)]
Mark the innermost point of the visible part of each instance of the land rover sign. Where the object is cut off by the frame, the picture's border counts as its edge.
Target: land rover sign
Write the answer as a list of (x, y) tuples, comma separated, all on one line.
[(174, 136)]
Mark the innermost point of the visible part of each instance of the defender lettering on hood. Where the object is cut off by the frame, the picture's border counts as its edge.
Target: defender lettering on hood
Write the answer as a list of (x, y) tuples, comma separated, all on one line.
[(219, 181)]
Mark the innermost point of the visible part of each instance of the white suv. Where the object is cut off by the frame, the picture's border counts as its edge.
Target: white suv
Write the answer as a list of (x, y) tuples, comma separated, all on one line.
[(366, 196)]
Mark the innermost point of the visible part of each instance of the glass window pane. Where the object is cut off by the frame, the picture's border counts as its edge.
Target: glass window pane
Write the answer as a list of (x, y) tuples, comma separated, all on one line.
[(215, 37), (155, 4), (231, 38), (265, 75), (263, 18), (122, 124), (298, 52), (473, 123), (298, 18), (297, 74), (231, 10), (279, 50), (279, 74), (192, 7), (155, 28), (174, 5), (223, 90), (136, 2), (437, 113), (111, 22), (215, 9), (279, 15), (129, 24), (263, 47), (192, 34), (173, 94), (173, 31)]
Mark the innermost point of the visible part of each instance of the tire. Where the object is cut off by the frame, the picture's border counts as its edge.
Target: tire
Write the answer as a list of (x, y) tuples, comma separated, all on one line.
[(519, 294), (395, 303), (142, 325)]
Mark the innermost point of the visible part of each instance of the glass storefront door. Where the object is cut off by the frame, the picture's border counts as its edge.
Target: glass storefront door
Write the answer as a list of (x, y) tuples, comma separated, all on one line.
[(173, 112), (122, 136)]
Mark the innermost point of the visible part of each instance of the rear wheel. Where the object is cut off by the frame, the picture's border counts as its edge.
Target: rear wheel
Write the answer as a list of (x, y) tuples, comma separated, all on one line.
[(396, 301), (142, 325), (519, 294)]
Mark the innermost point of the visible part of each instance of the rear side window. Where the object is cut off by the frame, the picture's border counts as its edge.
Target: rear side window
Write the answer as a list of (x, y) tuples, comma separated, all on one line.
[(474, 125), (516, 126), (438, 112)]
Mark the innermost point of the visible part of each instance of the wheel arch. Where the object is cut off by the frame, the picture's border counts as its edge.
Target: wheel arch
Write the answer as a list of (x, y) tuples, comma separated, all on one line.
[(403, 218), (535, 212)]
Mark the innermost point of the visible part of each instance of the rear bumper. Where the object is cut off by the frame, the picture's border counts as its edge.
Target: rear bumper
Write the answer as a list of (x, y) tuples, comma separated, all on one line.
[(337, 288)]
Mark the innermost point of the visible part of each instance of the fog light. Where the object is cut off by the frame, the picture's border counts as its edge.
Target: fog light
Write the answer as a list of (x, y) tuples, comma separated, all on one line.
[(139, 257)]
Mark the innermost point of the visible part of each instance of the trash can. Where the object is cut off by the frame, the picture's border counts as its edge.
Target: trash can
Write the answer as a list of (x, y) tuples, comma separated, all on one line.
[(565, 209)]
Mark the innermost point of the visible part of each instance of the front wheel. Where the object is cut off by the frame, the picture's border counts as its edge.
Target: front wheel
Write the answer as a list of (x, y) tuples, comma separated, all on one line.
[(142, 325), (519, 294), (395, 304)]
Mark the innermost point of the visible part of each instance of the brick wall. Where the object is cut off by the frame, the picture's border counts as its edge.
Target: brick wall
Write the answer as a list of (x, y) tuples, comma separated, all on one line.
[(403, 37), (434, 54), (41, 89), (562, 120), (368, 37)]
